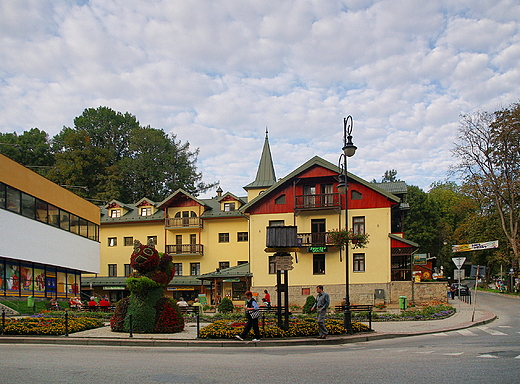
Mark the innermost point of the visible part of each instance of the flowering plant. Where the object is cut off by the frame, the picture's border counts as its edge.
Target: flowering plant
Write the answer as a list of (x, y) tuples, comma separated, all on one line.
[(342, 237)]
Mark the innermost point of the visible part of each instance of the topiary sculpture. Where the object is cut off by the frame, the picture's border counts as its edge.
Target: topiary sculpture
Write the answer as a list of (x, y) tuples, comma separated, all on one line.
[(151, 311)]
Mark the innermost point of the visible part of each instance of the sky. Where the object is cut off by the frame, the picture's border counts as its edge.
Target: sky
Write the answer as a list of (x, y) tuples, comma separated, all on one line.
[(217, 74)]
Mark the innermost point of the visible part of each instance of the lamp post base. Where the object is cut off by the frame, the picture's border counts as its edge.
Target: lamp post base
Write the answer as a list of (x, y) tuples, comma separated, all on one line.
[(347, 321)]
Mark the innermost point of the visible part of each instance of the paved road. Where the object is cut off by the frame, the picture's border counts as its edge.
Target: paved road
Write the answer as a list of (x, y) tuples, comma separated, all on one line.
[(483, 354)]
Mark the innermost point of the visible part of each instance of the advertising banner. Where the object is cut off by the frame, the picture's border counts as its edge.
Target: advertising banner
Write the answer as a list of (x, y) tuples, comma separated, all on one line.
[(474, 246)]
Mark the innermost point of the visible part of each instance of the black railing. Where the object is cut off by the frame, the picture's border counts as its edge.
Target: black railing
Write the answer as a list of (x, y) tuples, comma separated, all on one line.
[(185, 249), (317, 201)]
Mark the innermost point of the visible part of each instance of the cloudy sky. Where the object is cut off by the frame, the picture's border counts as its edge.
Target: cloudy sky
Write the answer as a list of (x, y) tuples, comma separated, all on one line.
[(217, 73)]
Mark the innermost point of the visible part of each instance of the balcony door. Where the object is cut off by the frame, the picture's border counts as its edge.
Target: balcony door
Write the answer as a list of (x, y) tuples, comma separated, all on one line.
[(318, 231), (309, 196)]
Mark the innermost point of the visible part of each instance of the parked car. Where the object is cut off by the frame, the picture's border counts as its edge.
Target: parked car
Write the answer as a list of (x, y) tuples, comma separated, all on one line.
[(464, 289)]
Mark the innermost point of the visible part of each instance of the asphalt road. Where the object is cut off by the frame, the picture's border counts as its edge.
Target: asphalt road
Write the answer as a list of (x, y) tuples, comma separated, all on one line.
[(484, 354)]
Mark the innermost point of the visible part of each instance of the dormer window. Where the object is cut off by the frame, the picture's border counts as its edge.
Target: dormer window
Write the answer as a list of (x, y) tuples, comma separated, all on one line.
[(115, 213), (146, 211), (228, 207)]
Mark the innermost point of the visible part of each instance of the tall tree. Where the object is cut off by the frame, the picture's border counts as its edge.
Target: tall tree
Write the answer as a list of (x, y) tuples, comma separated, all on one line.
[(32, 148), (108, 155), (488, 153)]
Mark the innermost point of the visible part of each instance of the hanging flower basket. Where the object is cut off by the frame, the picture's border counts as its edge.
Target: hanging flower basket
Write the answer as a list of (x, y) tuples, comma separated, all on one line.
[(342, 237)]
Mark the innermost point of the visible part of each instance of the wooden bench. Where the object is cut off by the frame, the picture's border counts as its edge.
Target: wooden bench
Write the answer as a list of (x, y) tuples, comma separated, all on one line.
[(357, 308)]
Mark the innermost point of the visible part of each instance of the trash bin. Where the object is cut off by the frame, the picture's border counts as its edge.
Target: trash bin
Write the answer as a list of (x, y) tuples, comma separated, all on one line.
[(403, 302), (30, 302)]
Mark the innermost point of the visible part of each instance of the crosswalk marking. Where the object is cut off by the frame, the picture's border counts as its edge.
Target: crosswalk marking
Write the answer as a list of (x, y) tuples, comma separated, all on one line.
[(491, 331), (518, 357), (424, 352), (442, 334), (488, 356), (504, 326), (453, 354), (466, 332)]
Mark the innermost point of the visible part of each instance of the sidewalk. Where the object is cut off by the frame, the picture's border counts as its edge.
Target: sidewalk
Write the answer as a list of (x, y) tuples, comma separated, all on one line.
[(188, 338)]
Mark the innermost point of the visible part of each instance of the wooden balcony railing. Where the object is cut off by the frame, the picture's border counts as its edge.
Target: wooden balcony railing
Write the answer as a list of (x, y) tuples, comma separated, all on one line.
[(185, 249), (183, 222), (312, 239), (317, 201)]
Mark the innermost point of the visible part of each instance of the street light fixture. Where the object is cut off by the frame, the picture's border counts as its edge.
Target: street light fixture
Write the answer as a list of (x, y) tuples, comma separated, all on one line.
[(349, 149)]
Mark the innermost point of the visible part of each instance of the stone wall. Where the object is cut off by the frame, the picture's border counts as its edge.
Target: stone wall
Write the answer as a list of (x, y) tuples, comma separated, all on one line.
[(364, 293)]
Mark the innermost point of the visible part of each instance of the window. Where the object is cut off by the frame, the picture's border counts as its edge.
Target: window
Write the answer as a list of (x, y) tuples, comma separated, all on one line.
[(309, 195), (229, 207), (128, 270), (54, 216), (112, 270), (356, 195), (178, 269), (318, 232), (272, 264), (112, 241), (194, 269), (146, 211), (327, 195), (318, 264), (239, 290), (280, 200), (13, 199), (41, 212), (74, 224), (28, 206), (2, 195), (223, 237), (242, 236), (115, 213), (276, 223), (152, 238), (358, 224), (64, 219), (359, 262), (223, 265)]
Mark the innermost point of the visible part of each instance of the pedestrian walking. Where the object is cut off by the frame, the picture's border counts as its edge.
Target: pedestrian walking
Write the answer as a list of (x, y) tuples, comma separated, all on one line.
[(322, 304), (252, 314)]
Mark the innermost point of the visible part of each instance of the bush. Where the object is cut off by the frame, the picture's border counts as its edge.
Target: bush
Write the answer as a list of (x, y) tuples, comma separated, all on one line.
[(49, 325), (309, 303), (226, 305)]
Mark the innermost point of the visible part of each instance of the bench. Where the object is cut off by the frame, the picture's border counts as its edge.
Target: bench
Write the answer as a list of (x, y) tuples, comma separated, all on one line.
[(357, 308)]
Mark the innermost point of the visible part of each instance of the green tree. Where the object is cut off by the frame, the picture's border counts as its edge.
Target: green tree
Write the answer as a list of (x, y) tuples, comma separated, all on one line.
[(32, 148), (488, 154), (390, 176), (108, 155)]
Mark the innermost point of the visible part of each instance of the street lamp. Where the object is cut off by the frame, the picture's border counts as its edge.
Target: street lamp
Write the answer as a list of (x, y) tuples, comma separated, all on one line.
[(349, 149)]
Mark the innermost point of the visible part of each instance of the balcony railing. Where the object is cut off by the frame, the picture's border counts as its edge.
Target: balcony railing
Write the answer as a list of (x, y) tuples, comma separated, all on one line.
[(317, 201), (312, 239), (183, 222), (185, 249)]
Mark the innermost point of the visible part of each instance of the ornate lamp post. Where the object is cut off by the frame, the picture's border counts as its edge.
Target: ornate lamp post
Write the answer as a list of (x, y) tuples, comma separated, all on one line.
[(349, 149)]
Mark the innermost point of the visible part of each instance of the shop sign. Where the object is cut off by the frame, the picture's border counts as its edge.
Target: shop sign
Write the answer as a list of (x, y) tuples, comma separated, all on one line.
[(318, 249), (114, 288), (231, 280), (180, 288)]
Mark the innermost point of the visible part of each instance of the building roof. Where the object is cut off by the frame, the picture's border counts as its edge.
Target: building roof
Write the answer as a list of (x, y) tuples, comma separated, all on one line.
[(318, 161), (265, 176), (405, 241), (395, 187), (132, 214), (241, 270)]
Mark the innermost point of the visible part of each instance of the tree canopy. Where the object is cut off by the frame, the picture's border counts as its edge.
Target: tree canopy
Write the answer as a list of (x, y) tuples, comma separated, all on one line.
[(109, 155)]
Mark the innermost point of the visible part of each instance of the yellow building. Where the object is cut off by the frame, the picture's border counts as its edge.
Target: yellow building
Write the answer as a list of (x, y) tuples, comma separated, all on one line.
[(48, 235), (219, 244)]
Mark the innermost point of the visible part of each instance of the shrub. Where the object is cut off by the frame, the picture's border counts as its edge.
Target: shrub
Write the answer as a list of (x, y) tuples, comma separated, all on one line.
[(226, 305), (49, 325), (309, 303)]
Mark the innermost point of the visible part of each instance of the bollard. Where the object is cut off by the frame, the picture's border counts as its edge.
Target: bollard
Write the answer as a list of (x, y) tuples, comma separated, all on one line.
[(198, 323), (130, 320), (3, 320), (67, 322)]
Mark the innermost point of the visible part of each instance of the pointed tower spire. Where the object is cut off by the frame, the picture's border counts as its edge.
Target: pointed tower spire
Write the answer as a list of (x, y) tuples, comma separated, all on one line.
[(265, 176)]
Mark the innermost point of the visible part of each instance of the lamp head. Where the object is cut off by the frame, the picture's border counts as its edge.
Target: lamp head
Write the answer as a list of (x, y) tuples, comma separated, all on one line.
[(349, 149), (342, 184)]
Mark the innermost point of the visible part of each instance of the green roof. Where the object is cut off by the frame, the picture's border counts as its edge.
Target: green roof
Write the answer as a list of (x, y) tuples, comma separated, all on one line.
[(241, 270)]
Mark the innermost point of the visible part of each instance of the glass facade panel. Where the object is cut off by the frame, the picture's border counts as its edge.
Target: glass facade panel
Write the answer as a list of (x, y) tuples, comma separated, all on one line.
[(28, 206), (41, 211), (62, 283), (74, 224), (39, 281), (12, 278), (64, 220), (83, 227), (54, 215), (2, 195), (13, 199)]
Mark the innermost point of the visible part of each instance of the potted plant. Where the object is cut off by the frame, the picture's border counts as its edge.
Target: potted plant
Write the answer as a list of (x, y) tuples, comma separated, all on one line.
[(342, 237)]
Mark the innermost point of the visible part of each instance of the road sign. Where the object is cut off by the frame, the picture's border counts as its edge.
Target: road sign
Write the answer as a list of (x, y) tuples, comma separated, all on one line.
[(459, 261), (284, 263)]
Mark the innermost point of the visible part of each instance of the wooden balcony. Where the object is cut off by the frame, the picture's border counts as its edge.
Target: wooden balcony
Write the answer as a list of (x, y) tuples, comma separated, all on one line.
[(319, 201), (312, 239), (185, 249), (182, 222)]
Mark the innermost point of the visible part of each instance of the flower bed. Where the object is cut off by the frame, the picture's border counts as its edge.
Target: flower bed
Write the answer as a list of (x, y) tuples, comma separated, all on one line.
[(228, 329), (49, 325)]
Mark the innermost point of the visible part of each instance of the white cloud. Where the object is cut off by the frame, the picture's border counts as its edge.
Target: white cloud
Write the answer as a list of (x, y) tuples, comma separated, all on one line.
[(218, 74)]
